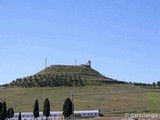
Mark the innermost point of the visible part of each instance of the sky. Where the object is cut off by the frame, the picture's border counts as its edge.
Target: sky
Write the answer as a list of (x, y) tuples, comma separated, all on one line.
[(120, 37)]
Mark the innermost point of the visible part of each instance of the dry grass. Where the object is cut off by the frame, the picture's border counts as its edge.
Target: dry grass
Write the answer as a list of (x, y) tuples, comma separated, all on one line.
[(111, 100)]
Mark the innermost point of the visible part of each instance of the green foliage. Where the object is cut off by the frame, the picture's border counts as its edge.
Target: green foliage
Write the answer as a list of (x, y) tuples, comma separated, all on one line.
[(0, 107), (10, 113), (67, 108), (3, 113), (49, 80), (36, 109), (46, 108), (158, 83), (19, 116), (61, 75)]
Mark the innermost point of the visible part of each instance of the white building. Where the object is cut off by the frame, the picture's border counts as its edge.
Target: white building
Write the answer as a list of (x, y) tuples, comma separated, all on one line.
[(57, 115)]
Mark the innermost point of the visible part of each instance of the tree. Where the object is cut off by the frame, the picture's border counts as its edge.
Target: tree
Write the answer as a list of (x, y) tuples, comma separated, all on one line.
[(67, 108), (154, 84), (46, 108), (158, 83), (19, 116), (0, 107), (3, 113), (10, 113), (36, 109)]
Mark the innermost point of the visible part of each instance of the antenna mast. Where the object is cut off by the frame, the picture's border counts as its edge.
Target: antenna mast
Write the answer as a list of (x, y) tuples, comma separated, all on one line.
[(46, 63), (75, 62)]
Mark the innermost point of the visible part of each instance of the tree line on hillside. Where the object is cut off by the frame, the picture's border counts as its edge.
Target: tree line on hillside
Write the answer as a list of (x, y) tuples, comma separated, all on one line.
[(154, 84), (67, 80), (49, 80), (82, 69), (67, 110), (4, 113)]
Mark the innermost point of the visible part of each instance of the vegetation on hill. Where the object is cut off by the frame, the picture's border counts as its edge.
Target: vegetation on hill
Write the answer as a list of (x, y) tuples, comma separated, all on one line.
[(99, 92), (48, 80), (61, 75), (110, 99), (69, 76), (86, 73), (4, 113), (67, 108)]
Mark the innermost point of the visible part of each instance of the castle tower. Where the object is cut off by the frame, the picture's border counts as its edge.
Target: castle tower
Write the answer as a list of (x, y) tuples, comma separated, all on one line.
[(89, 63)]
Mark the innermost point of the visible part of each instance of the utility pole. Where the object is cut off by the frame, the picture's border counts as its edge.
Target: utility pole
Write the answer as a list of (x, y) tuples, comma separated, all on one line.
[(72, 105)]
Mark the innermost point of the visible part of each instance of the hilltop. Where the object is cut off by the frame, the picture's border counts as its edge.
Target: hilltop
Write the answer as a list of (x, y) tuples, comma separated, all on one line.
[(63, 75)]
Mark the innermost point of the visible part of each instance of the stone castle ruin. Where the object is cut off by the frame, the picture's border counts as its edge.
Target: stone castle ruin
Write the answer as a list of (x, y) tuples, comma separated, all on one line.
[(88, 64)]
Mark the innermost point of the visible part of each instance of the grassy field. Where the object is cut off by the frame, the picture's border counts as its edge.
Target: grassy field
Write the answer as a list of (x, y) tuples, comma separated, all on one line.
[(111, 100)]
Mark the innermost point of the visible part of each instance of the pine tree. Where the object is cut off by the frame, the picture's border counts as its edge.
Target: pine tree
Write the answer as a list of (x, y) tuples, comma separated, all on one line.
[(46, 108), (3, 113), (0, 107), (10, 113), (36, 109), (67, 108), (19, 117)]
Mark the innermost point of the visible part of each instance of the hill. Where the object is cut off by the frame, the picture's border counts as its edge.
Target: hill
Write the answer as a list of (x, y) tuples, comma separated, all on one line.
[(57, 82), (63, 75), (85, 72)]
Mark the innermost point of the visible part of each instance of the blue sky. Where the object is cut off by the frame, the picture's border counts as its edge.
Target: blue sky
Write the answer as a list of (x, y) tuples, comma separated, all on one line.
[(120, 37)]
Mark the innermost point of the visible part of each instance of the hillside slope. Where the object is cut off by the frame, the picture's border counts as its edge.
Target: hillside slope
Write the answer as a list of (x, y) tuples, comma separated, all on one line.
[(85, 72), (111, 99), (62, 75)]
